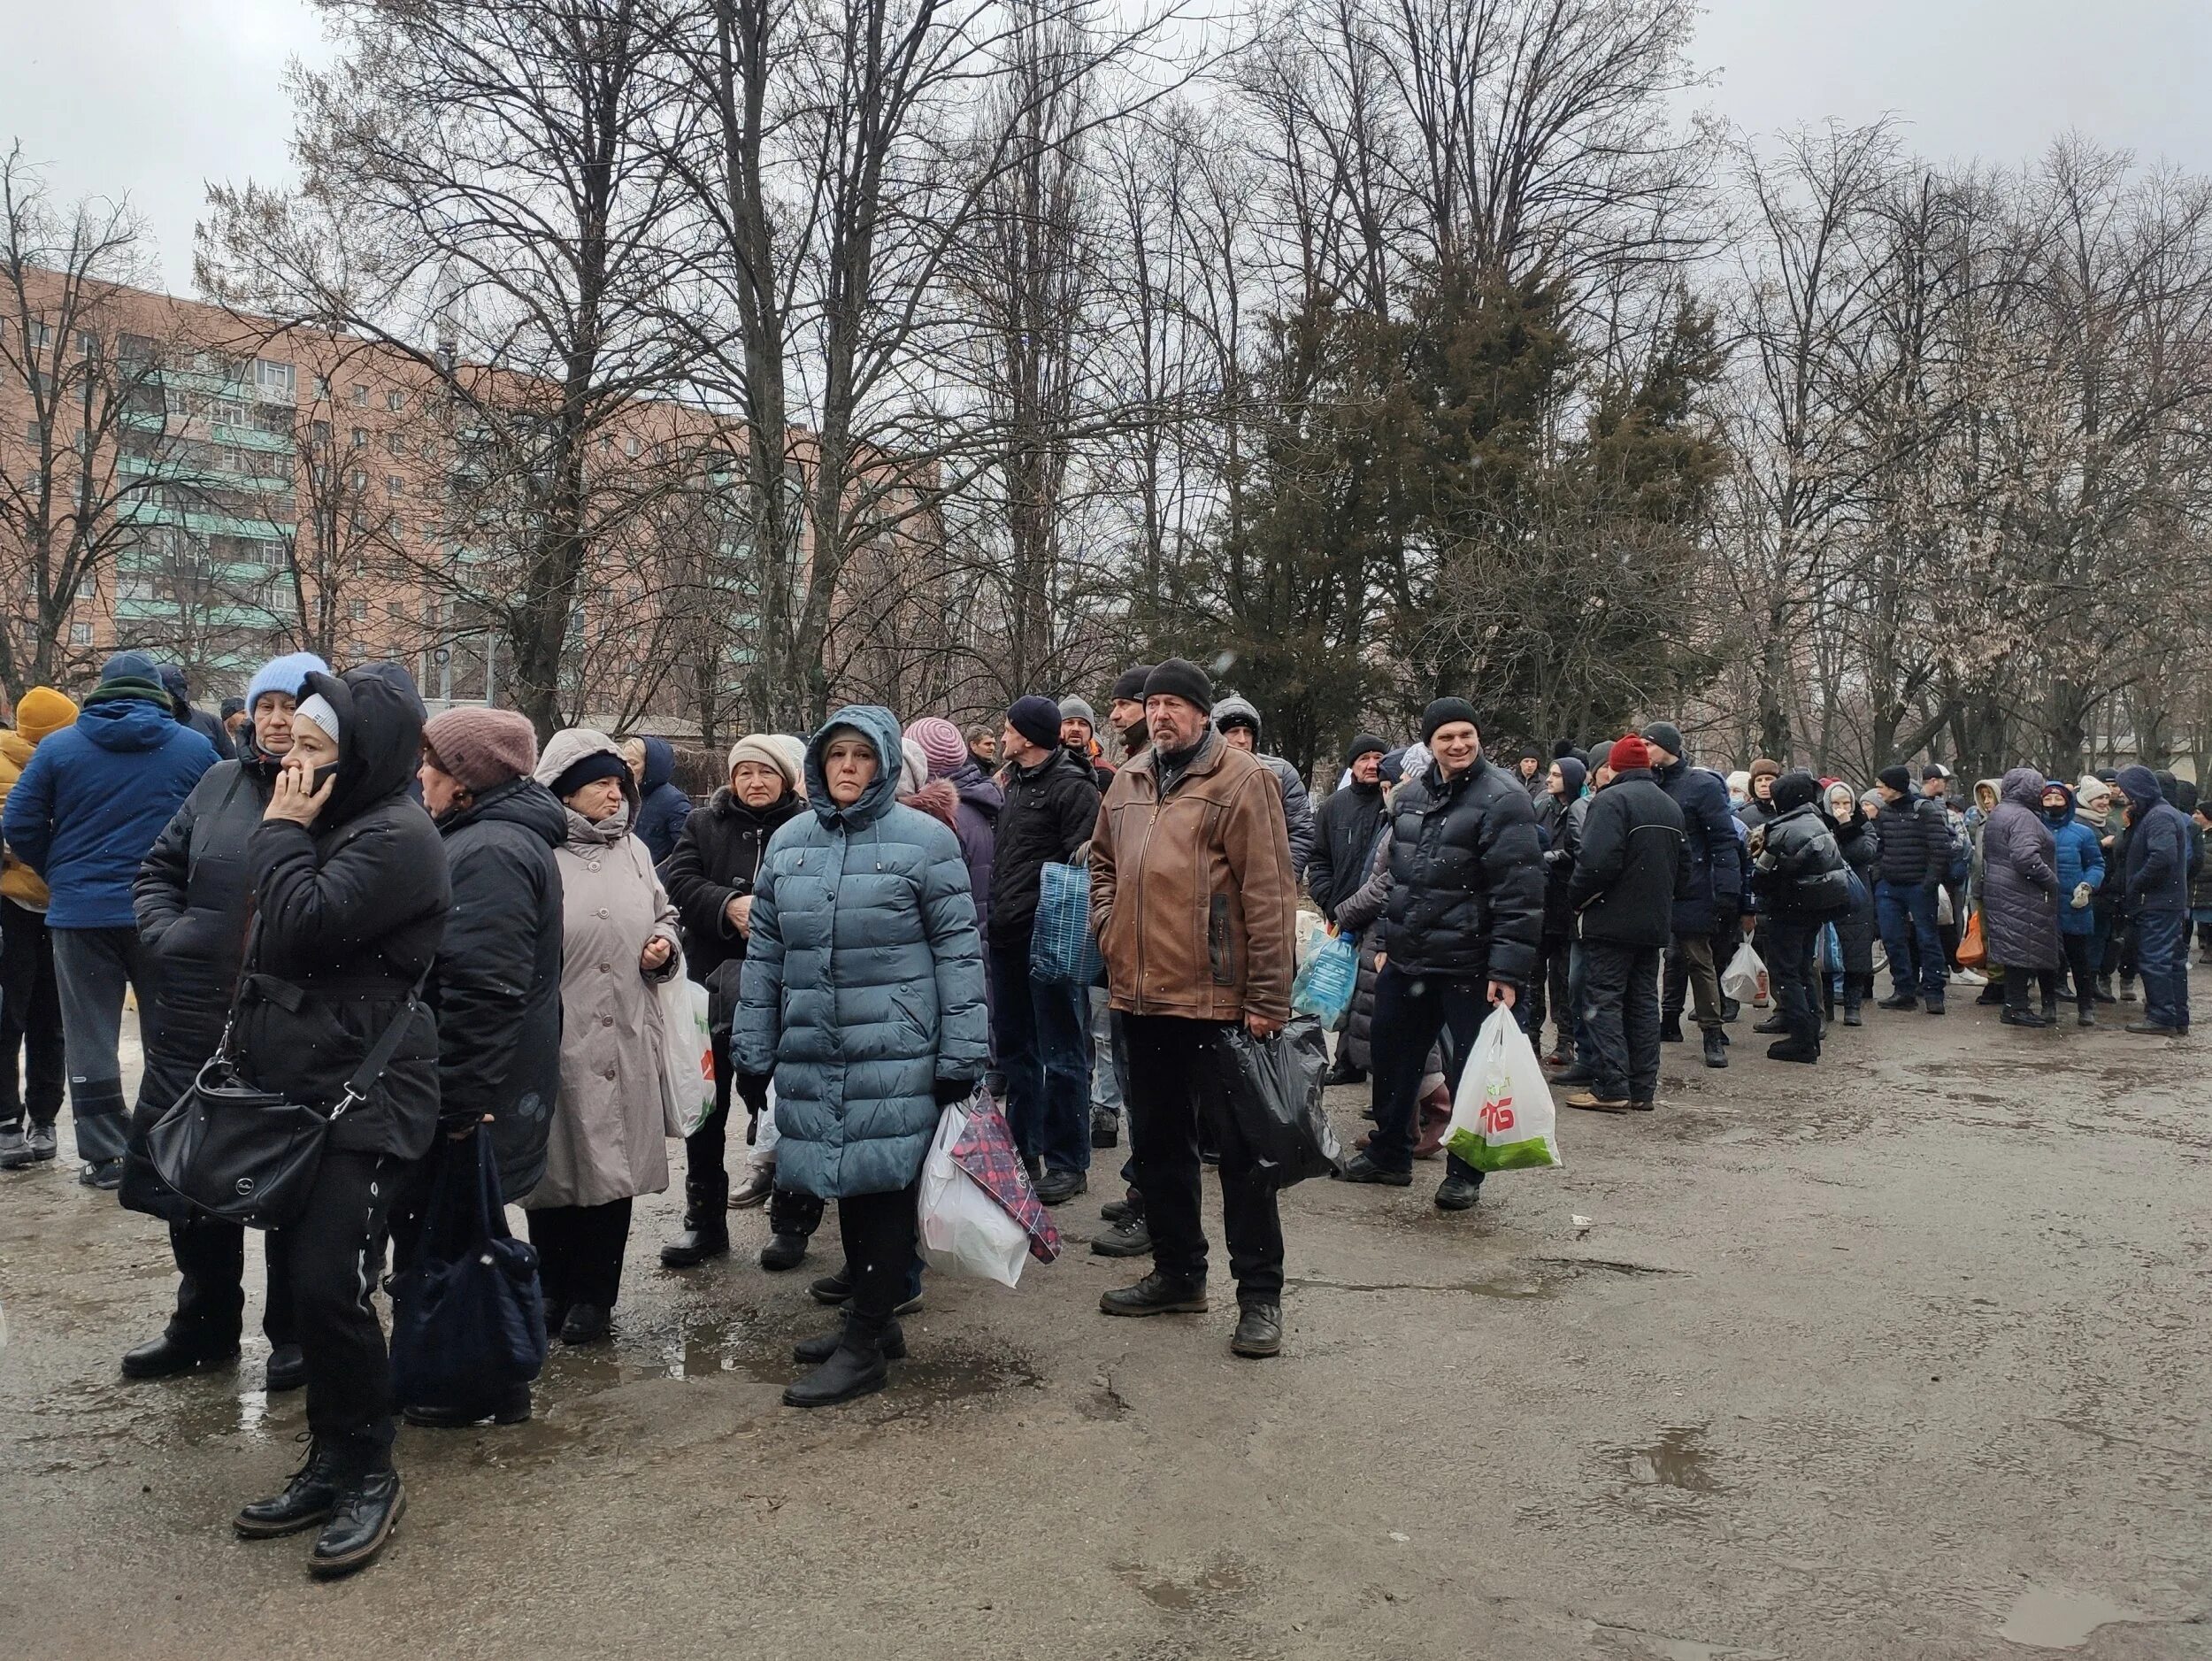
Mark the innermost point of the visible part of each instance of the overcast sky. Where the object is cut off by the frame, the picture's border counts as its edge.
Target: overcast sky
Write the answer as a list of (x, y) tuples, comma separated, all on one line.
[(153, 97)]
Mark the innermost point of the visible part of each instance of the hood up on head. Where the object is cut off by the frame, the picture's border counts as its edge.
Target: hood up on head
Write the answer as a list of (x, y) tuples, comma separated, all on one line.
[(2141, 786), (1992, 788), (880, 729), (2023, 787), (660, 764), (380, 745), (2186, 797), (1232, 709)]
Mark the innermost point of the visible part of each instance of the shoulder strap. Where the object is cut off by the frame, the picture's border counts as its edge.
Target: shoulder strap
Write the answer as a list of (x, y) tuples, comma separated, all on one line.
[(380, 1053)]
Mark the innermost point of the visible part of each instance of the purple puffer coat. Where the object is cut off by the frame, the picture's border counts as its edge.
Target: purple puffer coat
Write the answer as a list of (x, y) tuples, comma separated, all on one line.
[(2020, 876), (976, 824)]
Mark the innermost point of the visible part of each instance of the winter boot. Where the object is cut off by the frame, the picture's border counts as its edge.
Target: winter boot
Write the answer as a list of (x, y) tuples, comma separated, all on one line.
[(1259, 1330), (15, 1149), (1775, 1023), (2103, 993), (1793, 1049), (1899, 1001), (1671, 1030), (706, 1226), (1131, 1236), (857, 1366), (43, 1146), (1156, 1294), (1715, 1047), (308, 1498), (818, 1350)]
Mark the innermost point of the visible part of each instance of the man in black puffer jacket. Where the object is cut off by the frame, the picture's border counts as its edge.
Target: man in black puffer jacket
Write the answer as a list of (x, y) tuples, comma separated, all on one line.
[(1465, 919), (1715, 893), (496, 986), (1915, 854), (1802, 877), (710, 880), (190, 902), (1633, 868)]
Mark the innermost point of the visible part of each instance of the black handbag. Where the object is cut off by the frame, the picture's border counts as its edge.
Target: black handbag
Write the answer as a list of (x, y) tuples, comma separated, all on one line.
[(468, 1320), (234, 1152)]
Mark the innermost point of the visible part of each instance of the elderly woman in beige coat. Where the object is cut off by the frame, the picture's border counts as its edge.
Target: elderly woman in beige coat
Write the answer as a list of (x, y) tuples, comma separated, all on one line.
[(619, 944)]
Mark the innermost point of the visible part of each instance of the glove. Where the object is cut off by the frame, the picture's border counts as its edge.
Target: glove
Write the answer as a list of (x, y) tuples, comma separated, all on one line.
[(2081, 896), (752, 1089), (952, 1092)]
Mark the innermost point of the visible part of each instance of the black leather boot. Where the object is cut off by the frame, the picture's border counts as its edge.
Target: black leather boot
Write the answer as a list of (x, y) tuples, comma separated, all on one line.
[(512, 1408), (816, 1350), (287, 1370), (1259, 1331), (308, 1499), (165, 1357), (857, 1366), (1155, 1295), (1715, 1048), (360, 1524), (706, 1225)]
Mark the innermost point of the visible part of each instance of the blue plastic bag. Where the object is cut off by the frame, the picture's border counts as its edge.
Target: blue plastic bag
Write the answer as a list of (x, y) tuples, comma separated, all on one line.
[(1062, 951), (1323, 985)]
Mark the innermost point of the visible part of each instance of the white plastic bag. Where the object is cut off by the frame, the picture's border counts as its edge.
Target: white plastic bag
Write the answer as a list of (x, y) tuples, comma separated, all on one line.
[(964, 1231), (763, 1152), (1502, 1118), (687, 1056), (1741, 980)]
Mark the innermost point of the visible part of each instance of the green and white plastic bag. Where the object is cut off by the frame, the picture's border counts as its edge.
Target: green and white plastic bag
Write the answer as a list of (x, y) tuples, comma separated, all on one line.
[(1502, 1117)]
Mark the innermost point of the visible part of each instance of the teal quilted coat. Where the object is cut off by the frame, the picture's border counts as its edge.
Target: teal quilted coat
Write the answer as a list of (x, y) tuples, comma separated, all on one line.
[(863, 984)]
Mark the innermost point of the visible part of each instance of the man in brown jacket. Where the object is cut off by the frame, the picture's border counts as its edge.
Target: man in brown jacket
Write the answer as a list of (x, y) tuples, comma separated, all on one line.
[(1191, 899)]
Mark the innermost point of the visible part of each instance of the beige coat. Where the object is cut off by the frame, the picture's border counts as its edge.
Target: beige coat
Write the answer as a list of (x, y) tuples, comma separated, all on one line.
[(609, 1139)]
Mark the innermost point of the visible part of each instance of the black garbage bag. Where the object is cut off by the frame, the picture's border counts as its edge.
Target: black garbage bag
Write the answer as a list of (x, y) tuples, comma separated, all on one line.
[(1269, 1092), (468, 1321)]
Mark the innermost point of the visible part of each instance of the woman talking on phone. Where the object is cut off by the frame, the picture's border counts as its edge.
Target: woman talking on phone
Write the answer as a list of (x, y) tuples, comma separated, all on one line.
[(349, 900)]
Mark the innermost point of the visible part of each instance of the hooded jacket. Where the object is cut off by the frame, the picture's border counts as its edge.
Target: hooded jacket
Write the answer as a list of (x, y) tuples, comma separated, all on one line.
[(496, 986), (661, 808), (976, 824), (349, 913), (2078, 858), (2158, 843), (1049, 813), (1716, 860), (1799, 870), (863, 985), (1297, 801), (93, 798), (18, 881), (1466, 876), (1343, 834), (2020, 894), (1632, 867), (1561, 818)]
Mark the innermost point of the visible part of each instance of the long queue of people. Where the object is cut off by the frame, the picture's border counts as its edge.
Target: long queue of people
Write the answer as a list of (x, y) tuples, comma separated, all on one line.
[(858, 908)]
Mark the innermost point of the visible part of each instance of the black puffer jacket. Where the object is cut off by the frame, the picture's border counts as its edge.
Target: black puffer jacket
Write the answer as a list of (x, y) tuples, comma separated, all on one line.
[(1798, 870), (1466, 877), (1344, 831), (498, 985), (1915, 839), (350, 914), (1050, 812), (1359, 917), (1716, 855), (1561, 818), (718, 854), (1861, 850), (1633, 868)]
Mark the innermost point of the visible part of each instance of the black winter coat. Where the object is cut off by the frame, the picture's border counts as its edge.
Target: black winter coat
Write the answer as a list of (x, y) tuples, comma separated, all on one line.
[(1915, 842), (1343, 833), (351, 911), (1050, 812), (1716, 855), (1798, 870), (496, 987), (717, 856), (1861, 848), (1632, 872), (190, 898), (1466, 877), (1561, 821)]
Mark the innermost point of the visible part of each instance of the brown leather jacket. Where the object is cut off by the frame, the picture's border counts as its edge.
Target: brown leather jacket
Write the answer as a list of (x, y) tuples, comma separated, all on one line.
[(1192, 897)]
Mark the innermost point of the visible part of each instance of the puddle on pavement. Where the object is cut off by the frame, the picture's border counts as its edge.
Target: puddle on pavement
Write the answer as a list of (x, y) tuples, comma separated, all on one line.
[(1512, 1288), (1681, 1460), (2047, 1618), (1223, 1579)]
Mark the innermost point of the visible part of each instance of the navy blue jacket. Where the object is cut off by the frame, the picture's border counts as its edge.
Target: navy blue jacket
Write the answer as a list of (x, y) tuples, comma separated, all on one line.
[(1716, 855), (662, 807), (2159, 841), (94, 799)]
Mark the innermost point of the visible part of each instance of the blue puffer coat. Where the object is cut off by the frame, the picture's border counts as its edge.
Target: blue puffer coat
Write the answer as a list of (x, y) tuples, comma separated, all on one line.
[(2078, 859), (662, 807), (863, 986)]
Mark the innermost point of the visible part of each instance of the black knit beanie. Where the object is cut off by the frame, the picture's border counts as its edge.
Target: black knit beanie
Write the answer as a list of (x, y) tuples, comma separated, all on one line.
[(1443, 712), (1130, 684), (1898, 779), (1180, 678), (1365, 744)]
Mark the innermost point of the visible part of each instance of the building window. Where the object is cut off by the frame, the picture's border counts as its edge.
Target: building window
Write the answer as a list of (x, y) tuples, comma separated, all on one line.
[(360, 437), (87, 344), (322, 386), (360, 480), (396, 402), (80, 634), (394, 485), (318, 432), (630, 446), (394, 446), (274, 379), (39, 334), (360, 395), (357, 611)]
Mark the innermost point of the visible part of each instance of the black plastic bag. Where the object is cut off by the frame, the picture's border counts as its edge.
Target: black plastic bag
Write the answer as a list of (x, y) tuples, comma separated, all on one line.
[(468, 1320), (1271, 1089)]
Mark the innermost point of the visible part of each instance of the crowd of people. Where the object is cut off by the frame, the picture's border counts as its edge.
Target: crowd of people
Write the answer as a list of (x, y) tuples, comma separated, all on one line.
[(326, 867)]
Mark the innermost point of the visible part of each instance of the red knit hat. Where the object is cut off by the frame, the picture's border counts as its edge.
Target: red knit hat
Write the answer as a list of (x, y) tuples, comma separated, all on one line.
[(1628, 752)]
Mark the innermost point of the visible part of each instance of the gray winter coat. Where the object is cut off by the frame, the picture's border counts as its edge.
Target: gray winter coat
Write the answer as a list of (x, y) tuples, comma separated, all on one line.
[(2020, 876), (608, 1138), (1297, 800), (863, 986)]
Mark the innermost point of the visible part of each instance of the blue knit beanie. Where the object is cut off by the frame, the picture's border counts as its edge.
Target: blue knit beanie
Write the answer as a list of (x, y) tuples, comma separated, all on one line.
[(286, 674)]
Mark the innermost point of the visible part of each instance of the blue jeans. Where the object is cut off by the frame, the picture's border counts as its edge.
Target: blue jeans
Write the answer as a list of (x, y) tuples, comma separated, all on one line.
[(2160, 962), (1907, 917), (1042, 1050)]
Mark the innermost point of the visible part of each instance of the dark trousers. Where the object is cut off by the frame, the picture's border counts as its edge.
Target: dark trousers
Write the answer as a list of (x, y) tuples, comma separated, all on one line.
[(877, 1231), (330, 1256), (2081, 956), (2162, 959), (1548, 993), (30, 1020), (579, 1252), (1620, 991), (1793, 965), (1579, 1001), (1906, 918), (1044, 1052), (92, 967), (1411, 1013), (210, 1257), (1692, 973), (706, 1176), (1169, 1065)]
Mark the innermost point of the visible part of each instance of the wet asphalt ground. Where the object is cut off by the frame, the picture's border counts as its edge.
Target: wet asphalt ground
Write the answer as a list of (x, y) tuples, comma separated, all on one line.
[(1904, 1357)]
